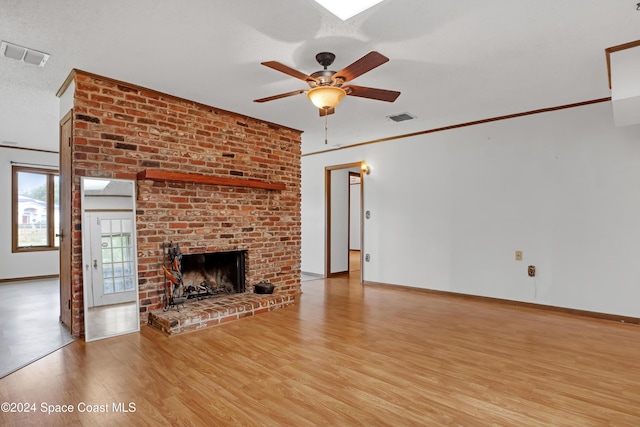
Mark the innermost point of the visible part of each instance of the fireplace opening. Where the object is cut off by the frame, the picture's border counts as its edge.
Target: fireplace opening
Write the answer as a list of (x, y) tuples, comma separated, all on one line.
[(217, 272), (200, 276)]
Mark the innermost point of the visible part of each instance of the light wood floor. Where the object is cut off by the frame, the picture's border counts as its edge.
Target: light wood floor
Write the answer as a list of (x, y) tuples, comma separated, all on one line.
[(354, 261), (349, 356), (110, 320)]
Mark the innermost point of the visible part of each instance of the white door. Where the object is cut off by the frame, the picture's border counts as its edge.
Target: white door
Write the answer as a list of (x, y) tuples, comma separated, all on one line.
[(112, 268)]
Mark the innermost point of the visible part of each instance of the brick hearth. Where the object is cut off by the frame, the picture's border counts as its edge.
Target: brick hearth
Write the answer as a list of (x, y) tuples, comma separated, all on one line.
[(195, 315)]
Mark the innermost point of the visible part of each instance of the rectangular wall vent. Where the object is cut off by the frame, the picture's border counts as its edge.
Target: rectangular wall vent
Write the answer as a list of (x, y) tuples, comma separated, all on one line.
[(401, 117), (24, 54)]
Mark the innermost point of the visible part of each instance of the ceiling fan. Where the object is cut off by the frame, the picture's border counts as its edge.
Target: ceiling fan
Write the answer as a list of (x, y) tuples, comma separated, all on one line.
[(326, 86)]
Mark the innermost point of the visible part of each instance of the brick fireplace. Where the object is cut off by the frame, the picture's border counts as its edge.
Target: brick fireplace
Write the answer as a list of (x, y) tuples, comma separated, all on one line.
[(207, 179)]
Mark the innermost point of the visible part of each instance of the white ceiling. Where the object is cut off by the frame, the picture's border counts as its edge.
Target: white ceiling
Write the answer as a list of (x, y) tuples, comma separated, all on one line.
[(453, 60)]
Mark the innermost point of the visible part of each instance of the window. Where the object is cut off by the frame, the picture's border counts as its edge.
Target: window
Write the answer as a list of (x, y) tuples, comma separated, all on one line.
[(36, 209)]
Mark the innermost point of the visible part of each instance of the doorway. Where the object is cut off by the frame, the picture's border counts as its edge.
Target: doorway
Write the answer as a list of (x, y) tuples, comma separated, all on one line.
[(340, 218), (354, 223)]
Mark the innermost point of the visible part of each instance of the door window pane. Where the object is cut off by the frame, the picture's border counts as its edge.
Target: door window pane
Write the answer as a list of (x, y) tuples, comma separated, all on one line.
[(117, 267)]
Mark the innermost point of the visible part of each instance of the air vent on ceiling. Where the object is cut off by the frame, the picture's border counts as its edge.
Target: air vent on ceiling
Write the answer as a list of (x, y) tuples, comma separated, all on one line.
[(21, 53), (401, 117)]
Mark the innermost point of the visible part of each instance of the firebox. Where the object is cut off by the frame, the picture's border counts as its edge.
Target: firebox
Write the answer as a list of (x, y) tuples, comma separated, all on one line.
[(200, 276), (221, 271)]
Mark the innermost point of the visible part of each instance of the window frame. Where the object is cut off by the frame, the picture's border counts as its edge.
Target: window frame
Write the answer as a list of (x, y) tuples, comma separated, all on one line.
[(49, 174)]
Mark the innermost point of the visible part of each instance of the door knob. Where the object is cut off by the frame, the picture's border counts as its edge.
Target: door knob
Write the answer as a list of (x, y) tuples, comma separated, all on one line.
[(95, 263)]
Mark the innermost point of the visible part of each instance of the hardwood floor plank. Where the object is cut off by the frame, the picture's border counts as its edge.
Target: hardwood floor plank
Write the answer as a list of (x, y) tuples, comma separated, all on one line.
[(345, 355)]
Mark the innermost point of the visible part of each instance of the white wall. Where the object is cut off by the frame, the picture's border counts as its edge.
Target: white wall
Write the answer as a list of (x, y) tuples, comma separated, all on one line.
[(449, 210), (31, 264)]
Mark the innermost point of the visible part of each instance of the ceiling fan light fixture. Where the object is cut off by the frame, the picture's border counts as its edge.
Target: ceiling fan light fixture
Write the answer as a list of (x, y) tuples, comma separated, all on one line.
[(326, 96)]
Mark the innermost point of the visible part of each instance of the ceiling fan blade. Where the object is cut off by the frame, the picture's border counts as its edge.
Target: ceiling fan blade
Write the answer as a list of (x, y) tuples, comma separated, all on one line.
[(367, 63), (372, 93), (326, 111), (282, 95), (287, 70)]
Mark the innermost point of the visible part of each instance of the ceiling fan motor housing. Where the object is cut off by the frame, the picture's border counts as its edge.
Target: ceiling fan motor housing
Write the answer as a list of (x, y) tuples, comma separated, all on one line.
[(324, 78)]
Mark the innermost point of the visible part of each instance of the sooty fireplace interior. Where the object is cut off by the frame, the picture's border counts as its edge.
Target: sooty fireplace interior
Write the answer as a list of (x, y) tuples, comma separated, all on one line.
[(199, 276)]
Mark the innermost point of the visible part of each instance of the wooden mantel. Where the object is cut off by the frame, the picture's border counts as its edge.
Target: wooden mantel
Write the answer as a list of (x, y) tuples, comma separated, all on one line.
[(159, 175)]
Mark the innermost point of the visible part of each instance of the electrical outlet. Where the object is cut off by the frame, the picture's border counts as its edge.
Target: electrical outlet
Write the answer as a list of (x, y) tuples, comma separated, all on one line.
[(532, 271), (518, 255), (367, 257)]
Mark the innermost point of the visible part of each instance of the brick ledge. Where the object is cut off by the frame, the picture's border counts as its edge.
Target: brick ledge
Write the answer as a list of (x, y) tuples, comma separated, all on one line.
[(195, 315)]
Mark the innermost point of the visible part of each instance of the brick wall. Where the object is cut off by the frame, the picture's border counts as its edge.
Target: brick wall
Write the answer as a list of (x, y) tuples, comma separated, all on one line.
[(120, 129)]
